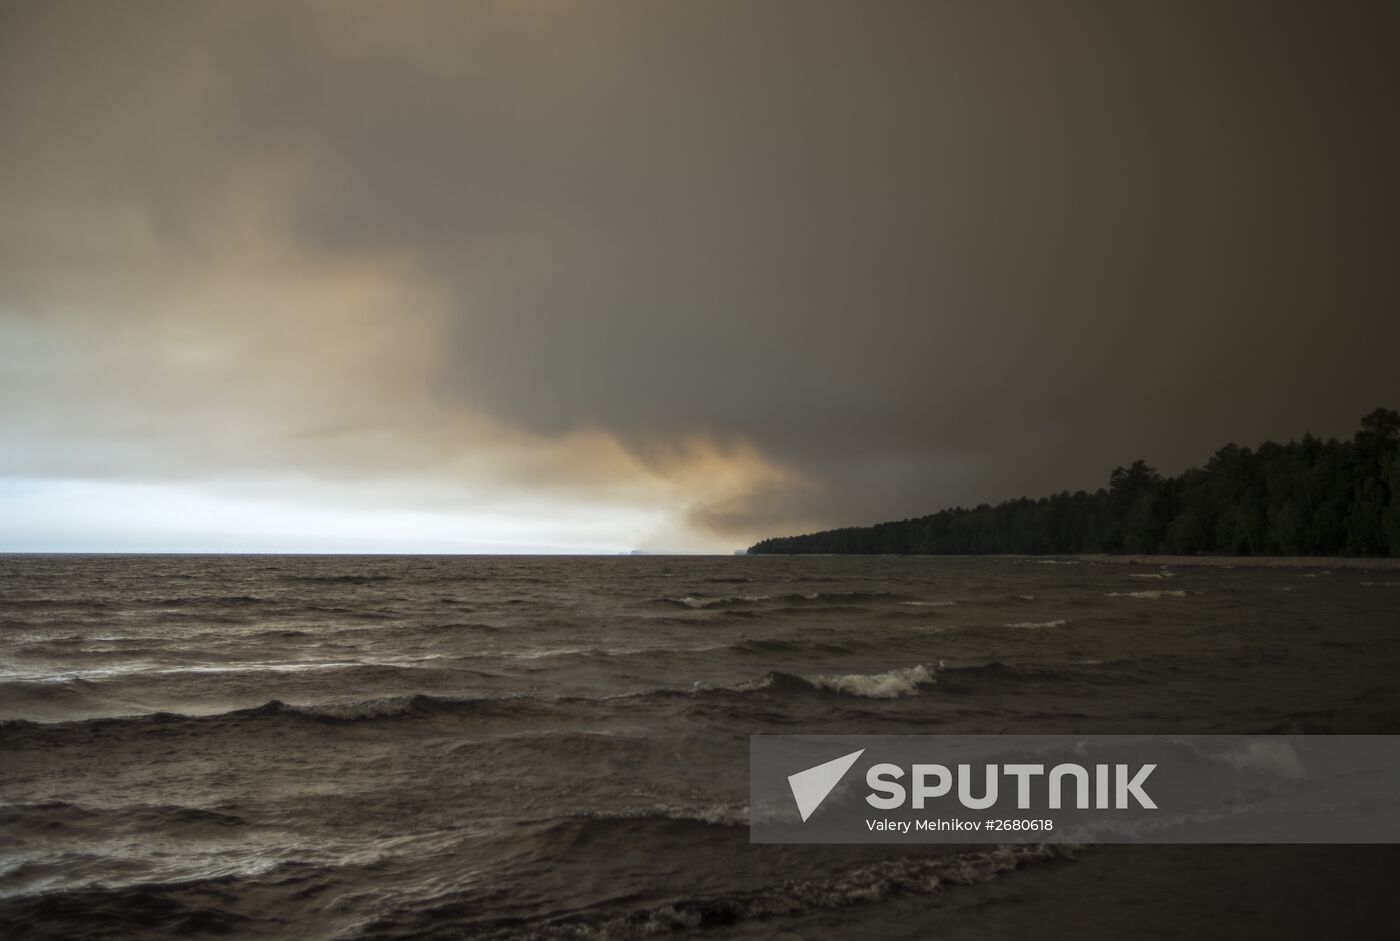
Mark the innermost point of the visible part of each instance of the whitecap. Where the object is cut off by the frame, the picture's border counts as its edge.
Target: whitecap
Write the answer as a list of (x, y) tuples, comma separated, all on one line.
[(876, 685)]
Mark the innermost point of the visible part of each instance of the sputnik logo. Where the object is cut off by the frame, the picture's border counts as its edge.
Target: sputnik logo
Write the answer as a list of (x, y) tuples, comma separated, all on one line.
[(810, 787)]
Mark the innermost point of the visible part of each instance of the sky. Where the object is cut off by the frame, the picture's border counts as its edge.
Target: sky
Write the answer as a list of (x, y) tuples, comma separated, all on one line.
[(595, 277)]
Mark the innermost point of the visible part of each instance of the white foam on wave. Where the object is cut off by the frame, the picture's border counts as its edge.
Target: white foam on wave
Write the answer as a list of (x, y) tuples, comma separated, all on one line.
[(300, 666), (605, 651), (53, 874), (148, 667), (889, 685), (1152, 595), (706, 601), (1152, 575), (698, 601), (1061, 622), (929, 604)]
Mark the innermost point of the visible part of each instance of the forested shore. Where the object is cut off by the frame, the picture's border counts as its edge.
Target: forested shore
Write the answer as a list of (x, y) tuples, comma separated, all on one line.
[(1308, 497)]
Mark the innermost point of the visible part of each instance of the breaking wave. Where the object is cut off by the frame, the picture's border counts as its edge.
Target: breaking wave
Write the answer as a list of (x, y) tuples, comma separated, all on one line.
[(876, 685)]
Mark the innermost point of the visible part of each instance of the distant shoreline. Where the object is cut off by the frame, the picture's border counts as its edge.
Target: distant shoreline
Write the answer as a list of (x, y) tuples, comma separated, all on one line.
[(1312, 497), (1360, 563)]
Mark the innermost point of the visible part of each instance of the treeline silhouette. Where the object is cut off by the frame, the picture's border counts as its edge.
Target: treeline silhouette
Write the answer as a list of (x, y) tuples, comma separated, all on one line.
[(1308, 497)]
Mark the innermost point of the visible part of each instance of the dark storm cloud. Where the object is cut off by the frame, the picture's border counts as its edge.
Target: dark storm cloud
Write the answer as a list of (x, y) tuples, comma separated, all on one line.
[(916, 253)]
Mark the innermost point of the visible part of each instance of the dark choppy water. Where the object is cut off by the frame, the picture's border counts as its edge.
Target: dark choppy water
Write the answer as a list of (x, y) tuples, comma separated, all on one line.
[(299, 747)]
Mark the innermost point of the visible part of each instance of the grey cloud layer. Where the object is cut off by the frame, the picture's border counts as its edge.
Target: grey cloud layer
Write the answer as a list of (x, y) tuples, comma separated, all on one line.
[(916, 253)]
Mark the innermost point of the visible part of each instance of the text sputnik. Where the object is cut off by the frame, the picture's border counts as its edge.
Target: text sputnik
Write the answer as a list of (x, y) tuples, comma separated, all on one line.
[(1107, 786)]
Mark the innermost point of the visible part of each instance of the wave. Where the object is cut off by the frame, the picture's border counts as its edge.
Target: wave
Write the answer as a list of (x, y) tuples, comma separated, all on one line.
[(45, 696), (551, 652), (1060, 622), (172, 601), (723, 815), (44, 819), (767, 646), (755, 646), (886, 685), (26, 682), (76, 655), (973, 678), (861, 885), (701, 601), (1152, 594), (416, 704), (79, 640), (876, 685), (929, 604), (25, 603), (725, 601), (386, 708), (278, 633), (176, 908), (966, 675), (200, 905)]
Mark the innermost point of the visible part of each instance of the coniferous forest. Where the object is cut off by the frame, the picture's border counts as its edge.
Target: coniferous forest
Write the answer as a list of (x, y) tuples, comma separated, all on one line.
[(1308, 497)]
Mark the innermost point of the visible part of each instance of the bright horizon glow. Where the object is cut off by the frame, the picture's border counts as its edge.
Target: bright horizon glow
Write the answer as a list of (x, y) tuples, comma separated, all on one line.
[(41, 515)]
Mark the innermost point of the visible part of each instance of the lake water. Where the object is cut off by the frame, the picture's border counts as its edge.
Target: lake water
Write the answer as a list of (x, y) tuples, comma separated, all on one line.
[(442, 747)]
